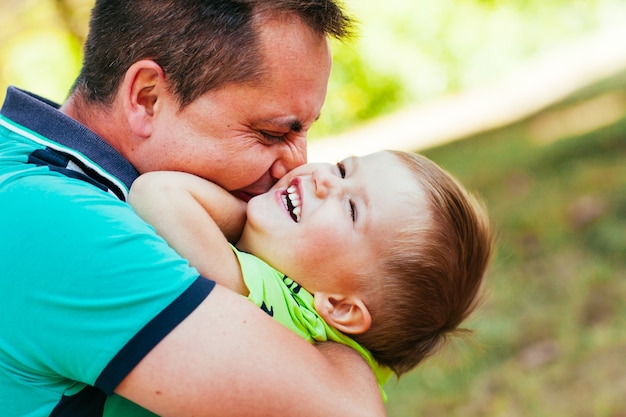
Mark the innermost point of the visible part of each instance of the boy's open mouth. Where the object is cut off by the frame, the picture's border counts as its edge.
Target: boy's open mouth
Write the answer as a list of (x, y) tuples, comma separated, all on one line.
[(293, 202)]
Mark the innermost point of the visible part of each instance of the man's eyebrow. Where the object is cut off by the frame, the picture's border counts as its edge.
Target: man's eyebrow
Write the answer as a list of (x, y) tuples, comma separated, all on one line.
[(292, 123), (296, 126)]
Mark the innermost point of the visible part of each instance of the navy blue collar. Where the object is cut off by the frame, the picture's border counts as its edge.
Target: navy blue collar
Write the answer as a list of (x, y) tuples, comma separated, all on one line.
[(43, 117)]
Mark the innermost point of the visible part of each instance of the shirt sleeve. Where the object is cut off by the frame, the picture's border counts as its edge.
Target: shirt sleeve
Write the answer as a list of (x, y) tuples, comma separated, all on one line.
[(88, 288)]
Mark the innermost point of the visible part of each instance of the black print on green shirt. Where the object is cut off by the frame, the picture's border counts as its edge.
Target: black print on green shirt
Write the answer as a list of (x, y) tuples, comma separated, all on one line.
[(269, 311), (294, 289), (291, 284)]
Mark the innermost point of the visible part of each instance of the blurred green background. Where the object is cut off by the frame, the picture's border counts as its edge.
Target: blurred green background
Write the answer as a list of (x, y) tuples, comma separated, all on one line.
[(550, 338)]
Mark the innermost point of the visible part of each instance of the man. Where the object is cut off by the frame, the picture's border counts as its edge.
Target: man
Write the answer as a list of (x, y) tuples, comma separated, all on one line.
[(94, 302)]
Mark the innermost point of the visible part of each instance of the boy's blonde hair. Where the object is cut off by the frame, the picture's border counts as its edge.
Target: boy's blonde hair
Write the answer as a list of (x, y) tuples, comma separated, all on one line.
[(433, 269)]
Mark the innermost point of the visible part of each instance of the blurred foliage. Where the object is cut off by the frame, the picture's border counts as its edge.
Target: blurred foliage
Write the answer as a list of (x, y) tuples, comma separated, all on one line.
[(411, 51), (41, 44), (406, 51), (550, 336)]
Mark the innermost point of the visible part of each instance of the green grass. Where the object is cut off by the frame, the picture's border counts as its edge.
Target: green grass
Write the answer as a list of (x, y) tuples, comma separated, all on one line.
[(551, 337)]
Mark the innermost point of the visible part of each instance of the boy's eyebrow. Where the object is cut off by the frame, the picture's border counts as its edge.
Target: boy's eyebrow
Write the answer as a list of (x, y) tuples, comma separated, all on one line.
[(354, 161)]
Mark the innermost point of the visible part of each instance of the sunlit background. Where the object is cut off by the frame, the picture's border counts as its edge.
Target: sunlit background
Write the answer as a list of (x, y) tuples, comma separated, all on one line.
[(524, 101), (407, 51)]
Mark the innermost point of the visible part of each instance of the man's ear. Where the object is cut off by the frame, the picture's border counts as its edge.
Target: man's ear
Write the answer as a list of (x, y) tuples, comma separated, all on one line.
[(348, 314), (142, 89)]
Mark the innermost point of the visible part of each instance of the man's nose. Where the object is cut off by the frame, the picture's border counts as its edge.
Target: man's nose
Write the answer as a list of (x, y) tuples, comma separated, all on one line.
[(289, 158)]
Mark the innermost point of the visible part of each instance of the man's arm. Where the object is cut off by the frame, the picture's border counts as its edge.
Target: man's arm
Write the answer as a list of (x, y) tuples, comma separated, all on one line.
[(194, 216), (242, 363)]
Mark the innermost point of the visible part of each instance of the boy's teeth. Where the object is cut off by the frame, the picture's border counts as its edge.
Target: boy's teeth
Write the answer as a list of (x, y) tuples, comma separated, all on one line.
[(295, 199), (292, 201)]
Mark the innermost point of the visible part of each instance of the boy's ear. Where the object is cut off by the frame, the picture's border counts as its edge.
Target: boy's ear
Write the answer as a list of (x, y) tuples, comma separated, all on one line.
[(348, 314), (141, 89)]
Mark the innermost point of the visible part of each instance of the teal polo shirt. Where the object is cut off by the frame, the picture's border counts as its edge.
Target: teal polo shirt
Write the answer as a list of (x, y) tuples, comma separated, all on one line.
[(289, 304), (87, 288)]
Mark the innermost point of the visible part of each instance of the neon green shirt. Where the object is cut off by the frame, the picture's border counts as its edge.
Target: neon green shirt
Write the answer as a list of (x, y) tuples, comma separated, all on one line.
[(288, 303), (291, 305)]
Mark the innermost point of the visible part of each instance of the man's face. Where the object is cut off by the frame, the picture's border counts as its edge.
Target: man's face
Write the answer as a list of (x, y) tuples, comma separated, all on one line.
[(322, 223), (244, 137)]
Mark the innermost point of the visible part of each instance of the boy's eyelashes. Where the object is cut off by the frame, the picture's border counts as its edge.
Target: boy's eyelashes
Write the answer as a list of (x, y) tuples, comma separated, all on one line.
[(342, 169), (352, 210)]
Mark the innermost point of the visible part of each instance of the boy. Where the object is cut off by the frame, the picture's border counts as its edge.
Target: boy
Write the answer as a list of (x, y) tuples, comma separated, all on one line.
[(390, 247)]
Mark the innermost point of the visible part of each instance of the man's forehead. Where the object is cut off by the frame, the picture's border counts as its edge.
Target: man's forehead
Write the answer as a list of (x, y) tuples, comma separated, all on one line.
[(292, 122)]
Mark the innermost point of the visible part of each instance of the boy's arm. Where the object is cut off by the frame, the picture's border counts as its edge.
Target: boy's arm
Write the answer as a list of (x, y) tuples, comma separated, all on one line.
[(194, 216), (244, 363)]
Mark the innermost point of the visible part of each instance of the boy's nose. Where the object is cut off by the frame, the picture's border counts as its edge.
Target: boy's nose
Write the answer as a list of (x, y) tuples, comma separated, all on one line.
[(324, 183)]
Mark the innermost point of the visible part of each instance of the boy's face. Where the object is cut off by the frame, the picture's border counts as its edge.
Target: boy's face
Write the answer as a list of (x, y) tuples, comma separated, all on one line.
[(339, 218)]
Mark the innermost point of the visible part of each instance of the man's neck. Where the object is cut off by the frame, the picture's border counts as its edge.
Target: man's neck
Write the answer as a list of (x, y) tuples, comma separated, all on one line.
[(99, 118)]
